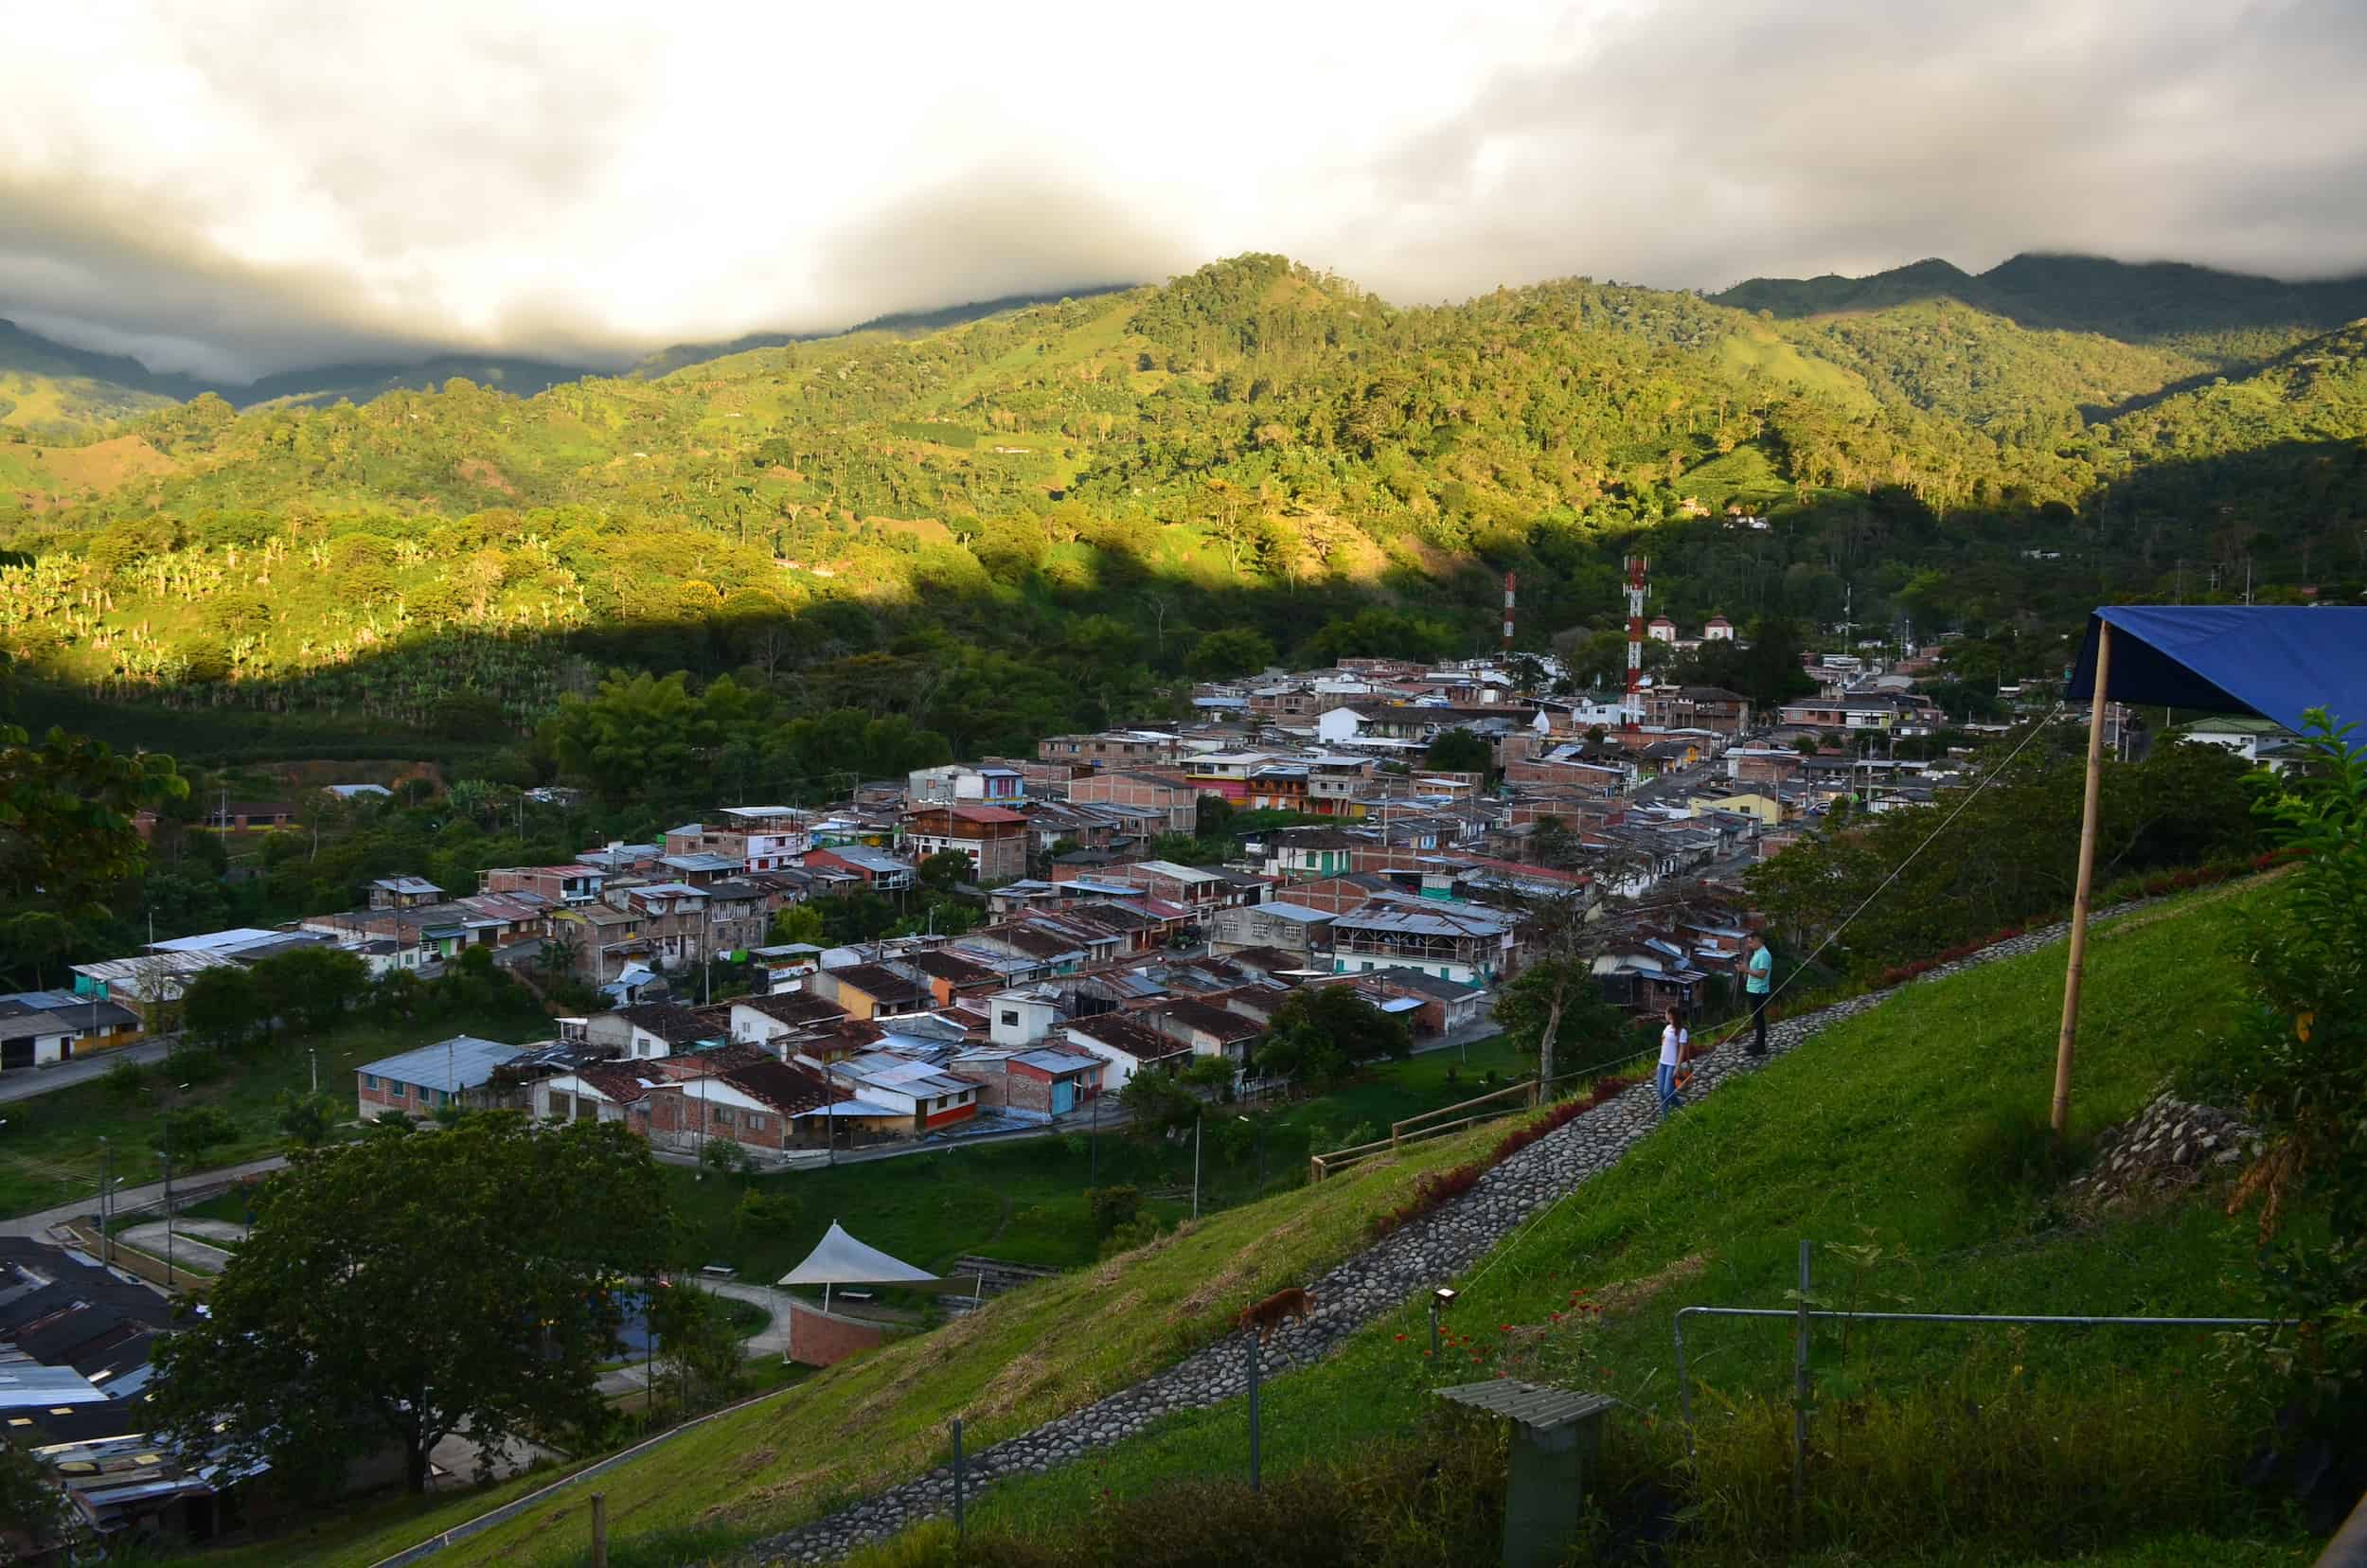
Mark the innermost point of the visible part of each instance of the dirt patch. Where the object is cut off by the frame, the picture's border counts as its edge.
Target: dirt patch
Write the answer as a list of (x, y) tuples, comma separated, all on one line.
[(928, 531), (104, 465), (755, 1459), (1628, 1295), (477, 470)]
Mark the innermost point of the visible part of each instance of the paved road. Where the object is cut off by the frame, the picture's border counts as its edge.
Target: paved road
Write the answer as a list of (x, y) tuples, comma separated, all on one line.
[(771, 1340), (25, 1082), (133, 1196)]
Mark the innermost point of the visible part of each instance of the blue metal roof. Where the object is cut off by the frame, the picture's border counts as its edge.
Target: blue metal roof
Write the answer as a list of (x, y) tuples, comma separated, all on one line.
[(2277, 661)]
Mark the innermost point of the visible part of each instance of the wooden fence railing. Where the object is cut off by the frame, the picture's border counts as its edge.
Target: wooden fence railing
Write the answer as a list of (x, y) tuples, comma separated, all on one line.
[(1428, 1124)]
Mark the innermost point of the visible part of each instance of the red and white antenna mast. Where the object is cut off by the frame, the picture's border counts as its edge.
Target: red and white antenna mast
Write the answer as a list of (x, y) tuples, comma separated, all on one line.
[(1635, 715), (1510, 581)]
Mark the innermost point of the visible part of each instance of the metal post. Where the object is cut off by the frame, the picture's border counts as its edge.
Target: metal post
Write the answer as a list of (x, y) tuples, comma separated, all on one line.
[(166, 1122), (106, 1211), (1434, 1340), (599, 1530), (961, 1476), (1800, 1400), (1093, 1142), (313, 1053), (1253, 1412), (1196, 1167), (2076, 965)]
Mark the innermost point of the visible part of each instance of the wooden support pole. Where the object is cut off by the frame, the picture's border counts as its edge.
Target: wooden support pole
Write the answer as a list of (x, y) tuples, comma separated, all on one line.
[(599, 1530), (2061, 1117)]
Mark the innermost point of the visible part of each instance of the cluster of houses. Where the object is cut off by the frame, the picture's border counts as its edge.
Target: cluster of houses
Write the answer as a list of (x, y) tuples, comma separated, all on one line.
[(1587, 794), (1036, 1015), (1067, 840)]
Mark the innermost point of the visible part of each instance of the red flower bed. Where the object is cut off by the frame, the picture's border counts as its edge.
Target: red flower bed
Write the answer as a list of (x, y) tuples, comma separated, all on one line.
[(1440, 1188)]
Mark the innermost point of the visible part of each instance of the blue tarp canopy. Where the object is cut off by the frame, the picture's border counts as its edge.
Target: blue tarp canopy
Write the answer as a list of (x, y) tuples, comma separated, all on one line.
[(2276, 662)]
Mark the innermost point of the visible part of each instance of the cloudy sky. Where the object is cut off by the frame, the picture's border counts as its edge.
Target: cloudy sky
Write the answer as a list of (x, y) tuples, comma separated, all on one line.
[(236, 187)]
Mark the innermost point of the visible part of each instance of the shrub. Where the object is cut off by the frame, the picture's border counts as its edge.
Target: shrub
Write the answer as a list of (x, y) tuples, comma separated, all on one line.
[(1140, 1231), (193, 1064), (195, 1129), (1114, 1207), (126, 1079)]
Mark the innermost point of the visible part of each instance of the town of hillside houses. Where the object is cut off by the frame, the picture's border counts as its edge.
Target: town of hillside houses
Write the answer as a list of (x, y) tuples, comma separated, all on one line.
[(1097, 957)]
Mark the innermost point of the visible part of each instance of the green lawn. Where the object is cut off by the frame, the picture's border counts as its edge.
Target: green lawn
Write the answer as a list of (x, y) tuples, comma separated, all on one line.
[(1873, 1136), (49, 1146)]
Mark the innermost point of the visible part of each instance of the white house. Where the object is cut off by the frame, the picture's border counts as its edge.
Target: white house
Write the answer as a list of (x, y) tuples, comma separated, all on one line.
[(1022, 1017), (1334, 725), (2254, 740), (1126, 1043)]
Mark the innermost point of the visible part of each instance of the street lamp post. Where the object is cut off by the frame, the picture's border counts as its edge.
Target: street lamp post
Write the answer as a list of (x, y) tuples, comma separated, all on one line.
[(165, 1121)]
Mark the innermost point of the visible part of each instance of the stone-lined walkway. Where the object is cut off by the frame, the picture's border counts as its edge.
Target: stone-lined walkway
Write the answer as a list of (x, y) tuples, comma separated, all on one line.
[(1361, 1289)]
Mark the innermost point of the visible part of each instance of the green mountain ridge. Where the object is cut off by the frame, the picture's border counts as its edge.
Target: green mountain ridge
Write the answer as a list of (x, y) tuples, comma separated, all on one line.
[(64, 393), (1028, 520), (2231, 317)]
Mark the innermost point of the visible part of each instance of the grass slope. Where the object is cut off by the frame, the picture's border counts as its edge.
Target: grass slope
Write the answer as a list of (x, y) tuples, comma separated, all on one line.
[(1871, 1135), (868, 1423)]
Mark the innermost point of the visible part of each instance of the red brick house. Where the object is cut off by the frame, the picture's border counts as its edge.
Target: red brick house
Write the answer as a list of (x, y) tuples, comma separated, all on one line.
[(1163, 791), (991, 838)]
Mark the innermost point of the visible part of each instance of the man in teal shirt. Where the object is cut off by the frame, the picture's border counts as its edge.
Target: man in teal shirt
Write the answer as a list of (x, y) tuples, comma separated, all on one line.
[(1759, 969)]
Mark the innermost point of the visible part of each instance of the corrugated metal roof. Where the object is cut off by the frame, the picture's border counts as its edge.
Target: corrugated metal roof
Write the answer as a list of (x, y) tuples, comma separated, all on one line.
[(1531, 1405), (463, 1061), (28, 1385)]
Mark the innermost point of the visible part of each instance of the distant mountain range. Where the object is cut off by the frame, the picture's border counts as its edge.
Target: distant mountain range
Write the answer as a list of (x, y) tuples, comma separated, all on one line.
[(61, 392), (2166, 303)]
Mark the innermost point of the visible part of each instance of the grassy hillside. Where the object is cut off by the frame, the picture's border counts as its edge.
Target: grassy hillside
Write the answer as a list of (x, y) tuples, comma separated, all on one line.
[(1891, 1131), (1019, 1360), (1890, 1137)]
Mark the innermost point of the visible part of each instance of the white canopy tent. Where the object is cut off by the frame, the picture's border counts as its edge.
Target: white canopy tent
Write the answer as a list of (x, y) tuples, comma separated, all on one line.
[(838, 1258)]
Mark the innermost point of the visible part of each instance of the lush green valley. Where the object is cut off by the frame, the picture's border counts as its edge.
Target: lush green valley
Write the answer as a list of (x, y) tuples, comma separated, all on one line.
[(1026, 522)]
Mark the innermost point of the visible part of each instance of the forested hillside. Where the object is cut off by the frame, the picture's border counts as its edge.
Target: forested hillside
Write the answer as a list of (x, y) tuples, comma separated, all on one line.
[(1028, 520)]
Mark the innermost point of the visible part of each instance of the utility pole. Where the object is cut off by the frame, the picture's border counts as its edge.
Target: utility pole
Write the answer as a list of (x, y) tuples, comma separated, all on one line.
[(1195, 1121)]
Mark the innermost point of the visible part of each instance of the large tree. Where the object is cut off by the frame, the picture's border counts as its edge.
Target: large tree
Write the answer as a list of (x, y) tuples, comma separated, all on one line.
[(1320, 1033), (399, 1290), (67, 805)]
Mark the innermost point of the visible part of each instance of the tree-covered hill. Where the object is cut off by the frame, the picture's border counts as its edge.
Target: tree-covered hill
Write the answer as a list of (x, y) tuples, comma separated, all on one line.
[(51, 392), (2228, 318), (1028, 520)]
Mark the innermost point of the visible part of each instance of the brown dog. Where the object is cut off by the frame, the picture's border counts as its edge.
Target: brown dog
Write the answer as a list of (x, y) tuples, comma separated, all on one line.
[(1271, 1313)]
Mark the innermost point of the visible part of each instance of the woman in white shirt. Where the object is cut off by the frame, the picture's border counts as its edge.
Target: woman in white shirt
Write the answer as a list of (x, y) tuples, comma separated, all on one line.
[(1672, 1044)]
